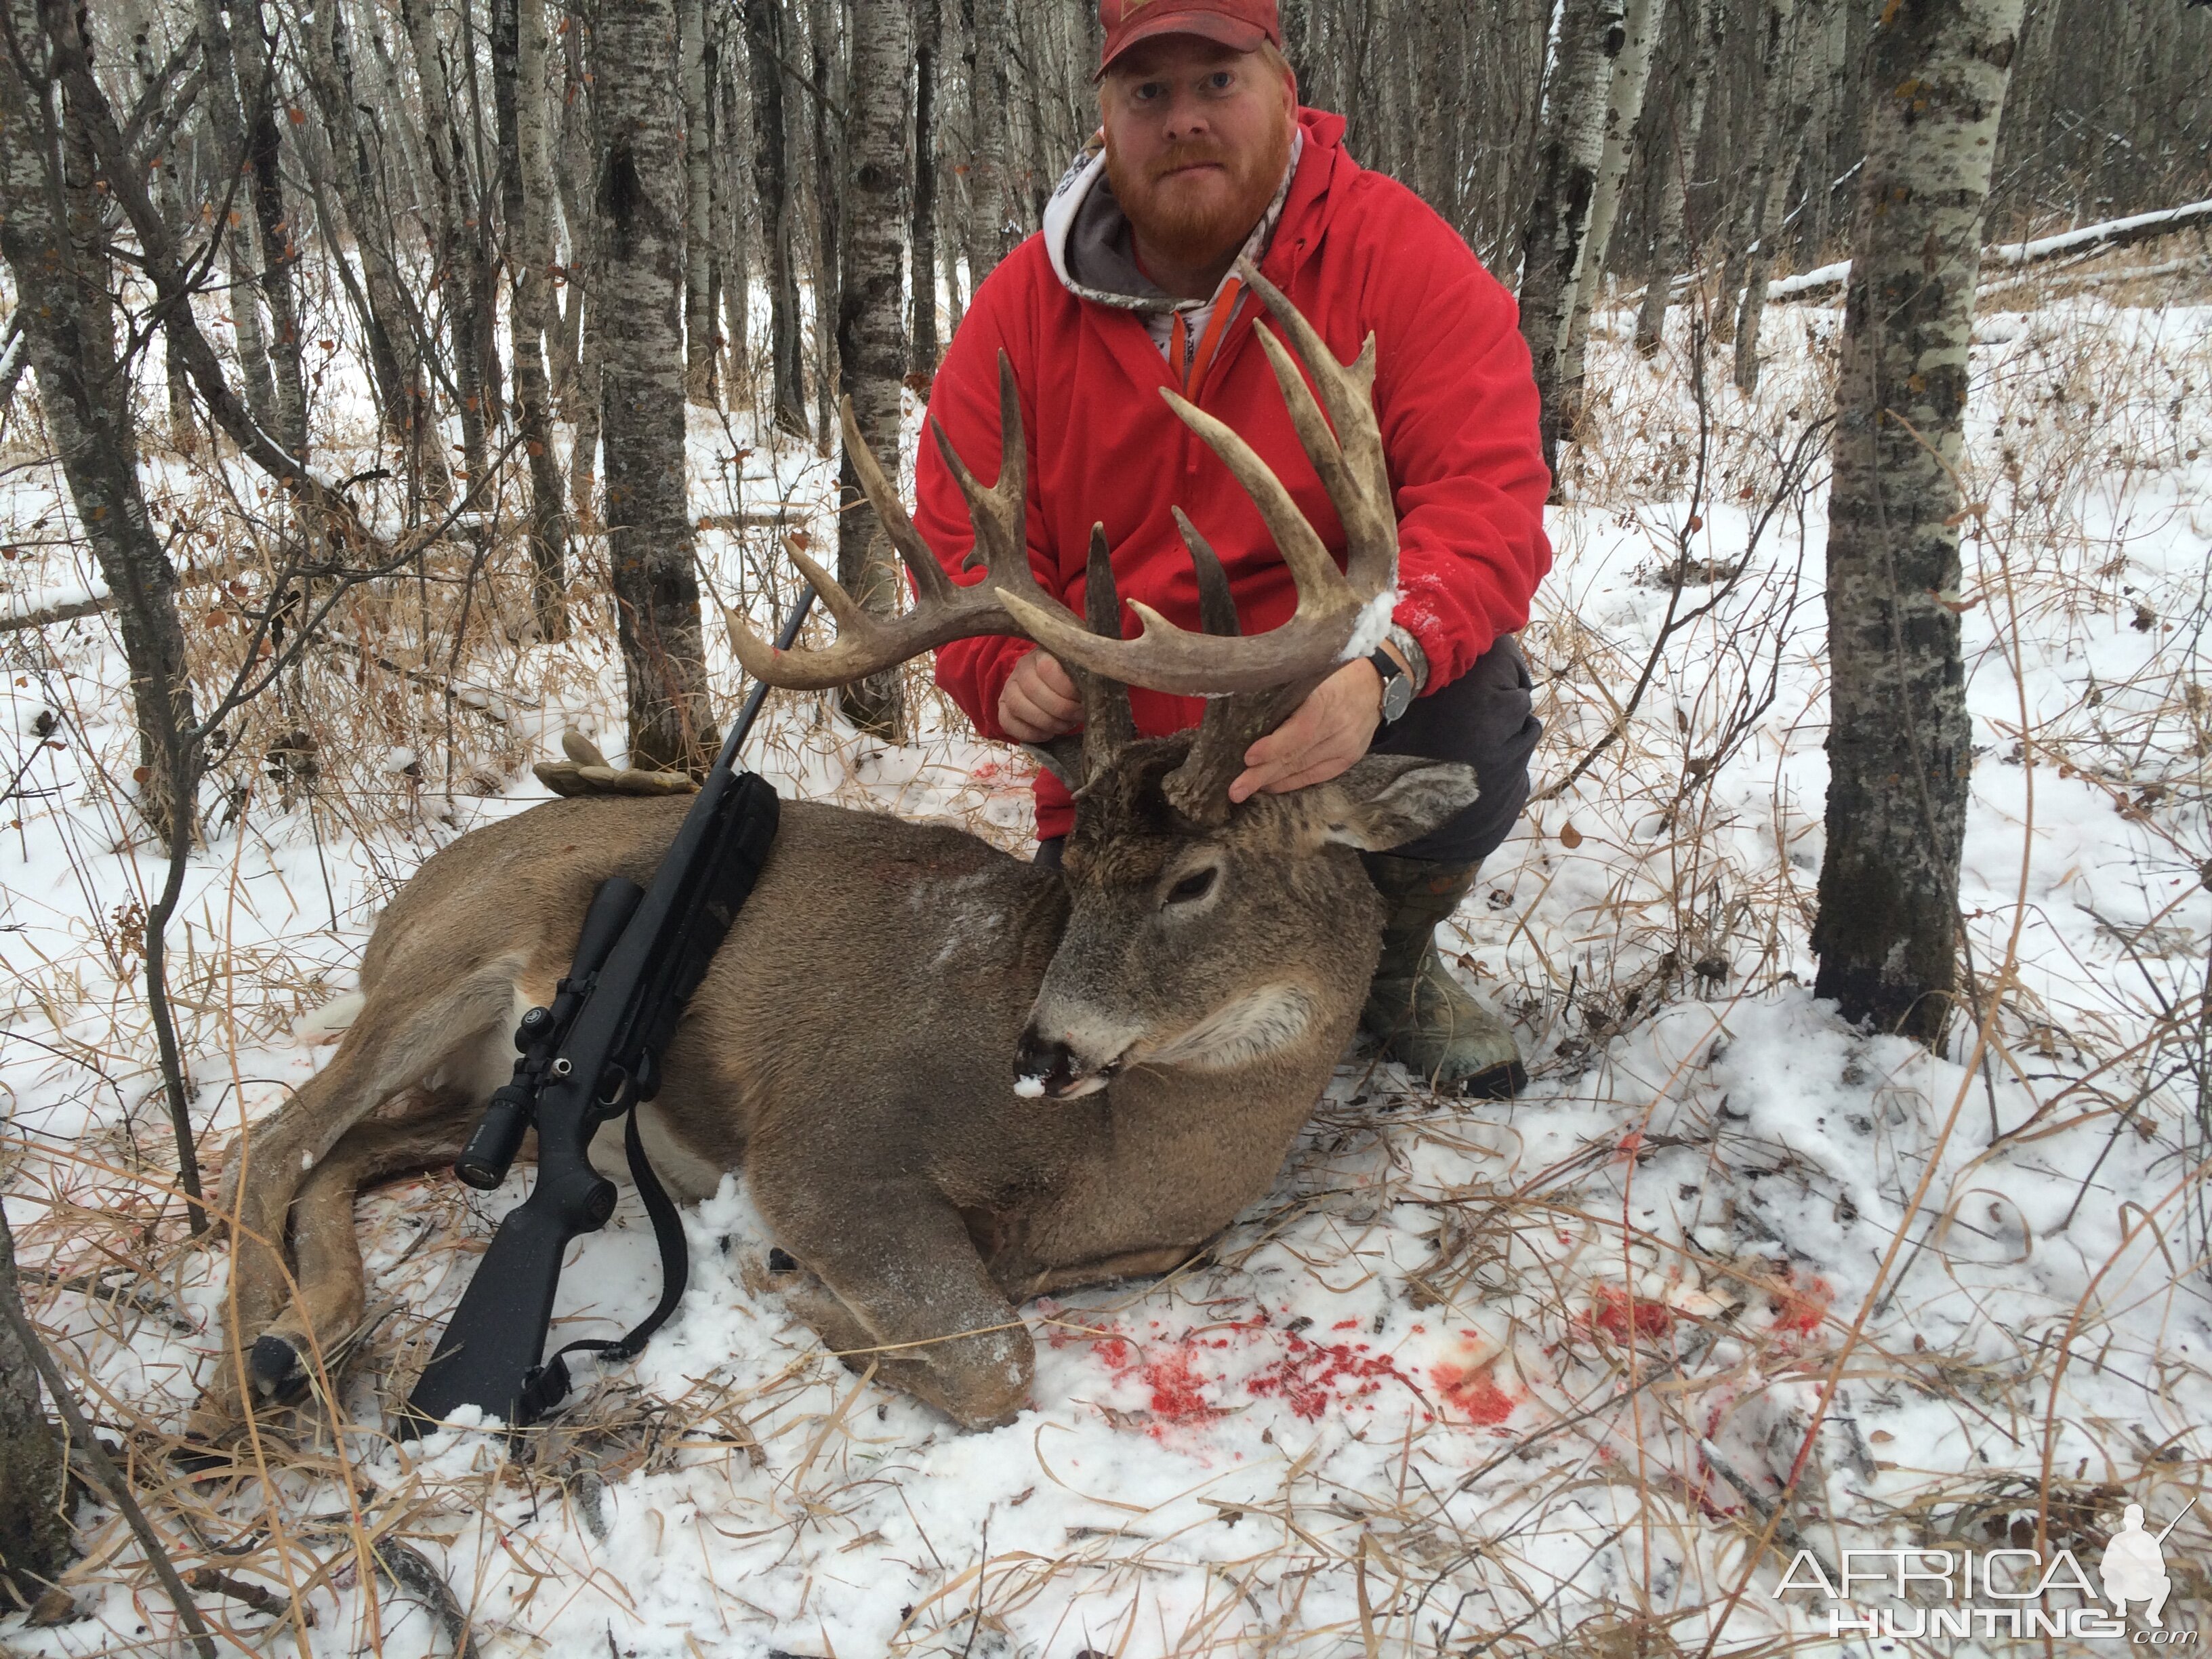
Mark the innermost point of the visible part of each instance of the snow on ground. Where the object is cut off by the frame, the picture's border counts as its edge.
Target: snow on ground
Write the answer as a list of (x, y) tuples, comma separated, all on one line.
[(1582, 1372)]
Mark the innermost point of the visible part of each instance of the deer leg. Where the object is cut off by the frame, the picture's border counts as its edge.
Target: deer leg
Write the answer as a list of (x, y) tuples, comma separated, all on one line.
[(902, 1284), (396, 1044), (330, 1291)]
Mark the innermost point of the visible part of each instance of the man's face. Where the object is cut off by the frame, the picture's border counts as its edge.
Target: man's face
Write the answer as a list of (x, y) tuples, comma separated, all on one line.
[(1197, 137)]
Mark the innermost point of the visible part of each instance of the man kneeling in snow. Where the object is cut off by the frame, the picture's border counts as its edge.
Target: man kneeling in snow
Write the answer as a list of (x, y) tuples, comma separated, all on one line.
[(1205, 156)]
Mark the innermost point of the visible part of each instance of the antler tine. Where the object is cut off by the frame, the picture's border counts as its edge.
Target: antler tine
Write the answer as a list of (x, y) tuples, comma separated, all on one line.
[(999, 514), (1217, 608), (1334, 606), (1199, 788), (1108, 723), (1167, 658), (1349, 459), (943, 610), (1321, 584), (930, 581)]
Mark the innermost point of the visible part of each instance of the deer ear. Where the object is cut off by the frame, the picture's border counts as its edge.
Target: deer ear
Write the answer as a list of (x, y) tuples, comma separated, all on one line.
[(1382, 801)]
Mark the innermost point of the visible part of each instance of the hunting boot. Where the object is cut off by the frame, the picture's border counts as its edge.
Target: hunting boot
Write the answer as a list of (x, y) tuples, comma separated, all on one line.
[(1416, 1010)]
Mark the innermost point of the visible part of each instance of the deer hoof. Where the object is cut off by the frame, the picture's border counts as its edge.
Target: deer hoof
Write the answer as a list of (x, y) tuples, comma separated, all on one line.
[(275, 1367)]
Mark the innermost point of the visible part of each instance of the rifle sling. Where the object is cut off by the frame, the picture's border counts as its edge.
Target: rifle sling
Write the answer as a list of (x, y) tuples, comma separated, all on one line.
[(548, 1385)]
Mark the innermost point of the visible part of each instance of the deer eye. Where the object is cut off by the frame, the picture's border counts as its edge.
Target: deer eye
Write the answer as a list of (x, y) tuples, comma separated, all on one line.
[(1193, 887)]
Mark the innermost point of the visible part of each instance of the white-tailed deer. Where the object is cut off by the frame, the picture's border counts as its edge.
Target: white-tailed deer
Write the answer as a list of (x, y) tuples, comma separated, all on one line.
[(954, 1080)]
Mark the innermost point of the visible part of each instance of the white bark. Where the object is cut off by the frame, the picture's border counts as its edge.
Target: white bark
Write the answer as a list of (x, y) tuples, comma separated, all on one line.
[(698, 209), (872, 351), (1680, 162), (641, 334), (1900, 745), (1623, 108), (1592, 34), (1769, 186)]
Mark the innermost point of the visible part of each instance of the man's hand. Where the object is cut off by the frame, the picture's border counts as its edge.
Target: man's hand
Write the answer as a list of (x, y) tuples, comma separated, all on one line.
[(1332, 729), (1040, 701)]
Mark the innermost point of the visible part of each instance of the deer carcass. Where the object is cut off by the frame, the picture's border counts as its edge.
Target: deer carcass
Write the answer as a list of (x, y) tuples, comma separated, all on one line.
[(954, 1080)]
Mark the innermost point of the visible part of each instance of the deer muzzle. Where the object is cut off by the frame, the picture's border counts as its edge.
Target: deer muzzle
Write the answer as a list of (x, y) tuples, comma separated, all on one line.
[(1051, 1069)]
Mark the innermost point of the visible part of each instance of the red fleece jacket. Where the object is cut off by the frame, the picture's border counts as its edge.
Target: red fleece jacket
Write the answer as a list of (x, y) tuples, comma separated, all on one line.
[(1356, 252)]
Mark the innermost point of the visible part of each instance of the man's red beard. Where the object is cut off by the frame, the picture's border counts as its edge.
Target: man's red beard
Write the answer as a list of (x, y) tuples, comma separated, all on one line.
[(1195, 227)]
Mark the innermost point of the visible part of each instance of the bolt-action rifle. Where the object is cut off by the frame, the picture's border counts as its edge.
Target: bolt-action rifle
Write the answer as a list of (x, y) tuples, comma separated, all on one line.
[(591, 1055)]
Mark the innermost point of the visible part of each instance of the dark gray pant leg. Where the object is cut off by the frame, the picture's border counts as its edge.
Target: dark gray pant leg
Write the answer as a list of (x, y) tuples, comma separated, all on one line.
[(1484, 718)]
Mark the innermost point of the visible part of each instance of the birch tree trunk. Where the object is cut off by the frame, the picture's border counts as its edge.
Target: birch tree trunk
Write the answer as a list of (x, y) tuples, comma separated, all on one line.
[(62, 286), (1623, 108), (872, 349), (526, 171), (640, 298), (163, 165), (988, 101), (456, 250), (1591, 33), (828, 147), (578, 148), (566, 138), (34, 1534), (478, 176), (948, 248), (922, 234), (1899, 750), (233, 93), (256, 87), (1824, 109), (733, 138), (242, 291), (1780, 120), (698, 209), (764, 48), (1678, 163), (407, 408)]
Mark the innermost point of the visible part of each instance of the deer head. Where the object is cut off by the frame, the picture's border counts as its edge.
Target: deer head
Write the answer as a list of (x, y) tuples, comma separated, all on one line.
[(1200, 934)]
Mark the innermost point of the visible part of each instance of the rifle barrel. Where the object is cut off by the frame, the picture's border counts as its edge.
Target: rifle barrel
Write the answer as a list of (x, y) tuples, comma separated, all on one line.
[(749, 711)]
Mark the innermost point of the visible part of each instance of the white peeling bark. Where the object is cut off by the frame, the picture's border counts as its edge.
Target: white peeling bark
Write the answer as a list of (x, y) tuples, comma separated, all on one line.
[(1899, 750), (871, 351), (698, 209), (1781, 119), (1592, 32), (1624, 107), (527, 199), (1669, 254), (639, 328)]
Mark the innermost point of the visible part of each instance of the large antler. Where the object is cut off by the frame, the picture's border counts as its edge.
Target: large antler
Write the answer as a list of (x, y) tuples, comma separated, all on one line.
[(1337, 610), (943, 610), (1253, 681)]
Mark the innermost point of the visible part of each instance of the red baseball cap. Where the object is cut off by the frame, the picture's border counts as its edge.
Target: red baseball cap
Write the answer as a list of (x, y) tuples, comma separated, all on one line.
[(1240, 25)]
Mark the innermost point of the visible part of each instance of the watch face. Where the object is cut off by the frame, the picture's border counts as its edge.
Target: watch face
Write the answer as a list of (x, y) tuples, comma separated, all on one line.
[(1397, 696)]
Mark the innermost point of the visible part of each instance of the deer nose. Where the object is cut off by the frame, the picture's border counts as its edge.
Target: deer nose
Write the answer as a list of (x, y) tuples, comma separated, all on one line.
[(1048, 1064)]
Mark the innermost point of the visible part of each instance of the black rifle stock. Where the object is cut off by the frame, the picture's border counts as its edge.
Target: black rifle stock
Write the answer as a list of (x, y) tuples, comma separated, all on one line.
[(592, 1055)]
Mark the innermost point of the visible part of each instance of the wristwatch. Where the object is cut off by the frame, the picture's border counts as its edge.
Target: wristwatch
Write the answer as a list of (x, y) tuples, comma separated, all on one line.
[(1397, 685)]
